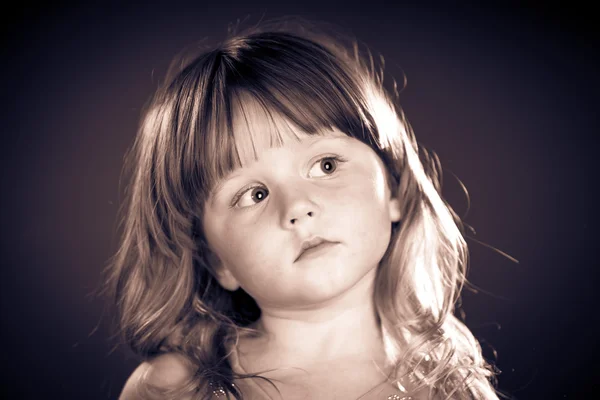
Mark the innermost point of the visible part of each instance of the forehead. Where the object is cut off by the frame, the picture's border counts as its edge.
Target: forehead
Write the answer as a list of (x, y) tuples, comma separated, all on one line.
[(257, 129)]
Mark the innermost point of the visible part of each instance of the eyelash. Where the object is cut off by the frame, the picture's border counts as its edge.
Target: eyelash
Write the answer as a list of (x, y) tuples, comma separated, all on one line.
[(337, 158)]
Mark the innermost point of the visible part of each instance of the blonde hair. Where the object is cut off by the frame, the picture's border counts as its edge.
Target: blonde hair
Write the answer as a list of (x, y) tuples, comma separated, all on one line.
[(161, 278)]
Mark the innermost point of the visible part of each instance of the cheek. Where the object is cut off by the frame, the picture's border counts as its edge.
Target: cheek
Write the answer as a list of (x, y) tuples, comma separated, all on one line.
[(365, 211), (366, 192), (236, 243), (248, 246)]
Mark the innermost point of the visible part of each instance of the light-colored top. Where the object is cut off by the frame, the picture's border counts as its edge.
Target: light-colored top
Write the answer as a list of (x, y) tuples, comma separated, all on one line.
[(253, 390)]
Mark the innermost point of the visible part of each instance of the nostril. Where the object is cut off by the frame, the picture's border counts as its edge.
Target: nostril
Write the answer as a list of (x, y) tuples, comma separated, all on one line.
[(293, 220)]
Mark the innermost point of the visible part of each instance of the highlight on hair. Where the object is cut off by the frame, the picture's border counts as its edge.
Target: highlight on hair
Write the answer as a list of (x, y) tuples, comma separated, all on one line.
[(161, 278)]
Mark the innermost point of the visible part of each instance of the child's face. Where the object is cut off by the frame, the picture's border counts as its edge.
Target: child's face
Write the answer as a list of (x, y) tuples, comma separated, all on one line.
[(294, 195)]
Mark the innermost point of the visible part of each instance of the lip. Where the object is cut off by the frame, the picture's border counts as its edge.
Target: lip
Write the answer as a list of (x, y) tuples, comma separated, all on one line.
[(314, 248)]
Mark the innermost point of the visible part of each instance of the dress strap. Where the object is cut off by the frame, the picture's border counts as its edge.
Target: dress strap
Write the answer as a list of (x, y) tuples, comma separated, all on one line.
[(217, 390)]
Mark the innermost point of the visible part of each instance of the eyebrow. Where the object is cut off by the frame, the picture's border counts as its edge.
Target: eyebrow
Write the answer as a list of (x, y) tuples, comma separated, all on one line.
[(222, 182)]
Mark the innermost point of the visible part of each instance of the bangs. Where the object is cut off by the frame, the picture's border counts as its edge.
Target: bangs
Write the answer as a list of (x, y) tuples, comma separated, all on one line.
[(299, 85), (255, 127)]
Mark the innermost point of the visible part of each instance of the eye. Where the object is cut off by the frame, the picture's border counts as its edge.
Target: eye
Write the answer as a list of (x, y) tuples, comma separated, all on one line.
[(325, 166), (250, 196)]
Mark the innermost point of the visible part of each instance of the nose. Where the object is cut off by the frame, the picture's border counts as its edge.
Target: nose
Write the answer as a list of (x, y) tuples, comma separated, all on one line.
[(297, 207), (293, 221)]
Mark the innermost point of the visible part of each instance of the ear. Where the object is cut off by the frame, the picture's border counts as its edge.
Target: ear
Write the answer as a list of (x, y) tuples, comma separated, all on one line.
[(394, 209), (222, 272), (226, 279)]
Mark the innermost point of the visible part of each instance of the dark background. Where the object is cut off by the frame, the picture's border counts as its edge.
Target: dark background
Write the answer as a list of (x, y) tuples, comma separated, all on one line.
[(507, 97)]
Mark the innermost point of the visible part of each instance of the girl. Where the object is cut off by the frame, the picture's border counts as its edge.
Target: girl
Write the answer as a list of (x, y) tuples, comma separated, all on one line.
[(285, 237)]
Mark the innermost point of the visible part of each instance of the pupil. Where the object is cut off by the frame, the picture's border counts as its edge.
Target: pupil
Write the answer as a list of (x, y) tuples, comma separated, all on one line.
[(327, 165), (259, 194)]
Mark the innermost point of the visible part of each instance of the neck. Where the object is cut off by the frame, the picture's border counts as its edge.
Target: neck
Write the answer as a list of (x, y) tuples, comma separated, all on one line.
[(343, 328)]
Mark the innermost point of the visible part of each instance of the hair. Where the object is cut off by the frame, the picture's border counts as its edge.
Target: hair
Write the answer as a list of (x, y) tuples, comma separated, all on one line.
[(162, 278)]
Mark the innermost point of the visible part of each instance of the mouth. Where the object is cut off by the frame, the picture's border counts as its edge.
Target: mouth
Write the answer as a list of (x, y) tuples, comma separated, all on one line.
[(315, 248)]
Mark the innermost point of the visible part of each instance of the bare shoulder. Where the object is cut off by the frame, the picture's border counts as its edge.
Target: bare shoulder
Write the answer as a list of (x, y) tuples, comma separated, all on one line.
[(165, 371)]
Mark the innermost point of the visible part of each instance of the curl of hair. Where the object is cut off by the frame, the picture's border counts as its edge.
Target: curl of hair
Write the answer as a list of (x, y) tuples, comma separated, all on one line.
[(162, 278)]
